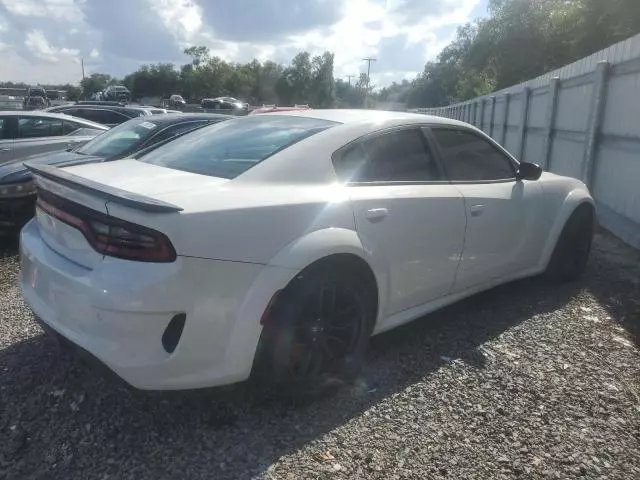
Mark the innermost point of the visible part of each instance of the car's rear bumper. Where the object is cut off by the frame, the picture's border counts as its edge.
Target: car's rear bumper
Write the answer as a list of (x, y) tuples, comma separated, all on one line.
[(120, 310)]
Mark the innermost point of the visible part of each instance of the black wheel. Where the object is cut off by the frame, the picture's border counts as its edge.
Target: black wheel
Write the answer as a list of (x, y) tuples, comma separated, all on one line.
[(571, 253), (317, 333)]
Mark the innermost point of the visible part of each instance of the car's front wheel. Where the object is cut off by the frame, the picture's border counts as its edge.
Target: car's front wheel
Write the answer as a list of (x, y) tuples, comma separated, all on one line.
[(316, 335), (571, 253)]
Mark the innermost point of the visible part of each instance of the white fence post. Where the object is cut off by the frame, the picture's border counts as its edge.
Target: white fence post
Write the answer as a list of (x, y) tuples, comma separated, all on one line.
[(522, 134), (505, 120), (595, 120), (554, 86), (493, 115)]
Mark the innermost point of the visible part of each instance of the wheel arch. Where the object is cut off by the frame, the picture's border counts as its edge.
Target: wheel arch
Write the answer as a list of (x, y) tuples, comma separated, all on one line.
[(576, 199), (335, 246)]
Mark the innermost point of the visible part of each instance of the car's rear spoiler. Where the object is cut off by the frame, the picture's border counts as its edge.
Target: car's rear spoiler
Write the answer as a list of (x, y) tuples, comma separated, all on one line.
[(133, 200)]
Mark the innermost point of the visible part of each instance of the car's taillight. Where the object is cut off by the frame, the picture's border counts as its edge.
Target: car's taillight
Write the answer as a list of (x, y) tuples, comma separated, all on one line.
[(109, 235)]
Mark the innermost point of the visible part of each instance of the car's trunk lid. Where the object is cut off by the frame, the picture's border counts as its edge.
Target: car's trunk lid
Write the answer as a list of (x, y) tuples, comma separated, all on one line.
[(142, 189)]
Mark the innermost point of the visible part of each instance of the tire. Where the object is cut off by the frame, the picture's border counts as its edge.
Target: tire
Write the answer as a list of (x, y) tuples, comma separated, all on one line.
[(324, 304), (571, 254)]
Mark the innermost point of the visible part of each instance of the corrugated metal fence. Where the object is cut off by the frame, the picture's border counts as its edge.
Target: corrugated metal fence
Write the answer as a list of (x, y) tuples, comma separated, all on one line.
[(582, 120)]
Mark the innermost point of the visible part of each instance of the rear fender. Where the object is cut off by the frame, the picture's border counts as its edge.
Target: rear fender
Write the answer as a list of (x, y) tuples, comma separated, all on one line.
[(320, 244), (572, 201), (277, 274)]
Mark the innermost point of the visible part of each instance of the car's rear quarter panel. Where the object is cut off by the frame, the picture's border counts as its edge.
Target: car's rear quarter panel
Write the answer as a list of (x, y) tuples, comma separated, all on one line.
[(247, 224)]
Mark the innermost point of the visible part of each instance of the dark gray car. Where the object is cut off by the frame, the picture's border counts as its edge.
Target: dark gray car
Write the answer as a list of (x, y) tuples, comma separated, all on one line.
[(135, 137)]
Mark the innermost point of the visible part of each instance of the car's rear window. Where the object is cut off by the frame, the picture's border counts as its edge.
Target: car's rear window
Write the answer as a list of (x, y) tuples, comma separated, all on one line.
[(229, 148)]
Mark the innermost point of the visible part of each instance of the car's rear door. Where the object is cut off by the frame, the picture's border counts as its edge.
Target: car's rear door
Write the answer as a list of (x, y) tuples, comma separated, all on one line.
[(37, 134), (503, 221), (406, 214), (6, 138), (103, 116)]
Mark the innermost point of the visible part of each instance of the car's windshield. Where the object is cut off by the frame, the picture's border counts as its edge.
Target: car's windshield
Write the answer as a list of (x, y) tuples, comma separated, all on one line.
[(229, 148), (119, 140)]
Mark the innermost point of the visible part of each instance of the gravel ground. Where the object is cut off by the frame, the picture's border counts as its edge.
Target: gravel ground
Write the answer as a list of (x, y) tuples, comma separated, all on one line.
[(526, 381)]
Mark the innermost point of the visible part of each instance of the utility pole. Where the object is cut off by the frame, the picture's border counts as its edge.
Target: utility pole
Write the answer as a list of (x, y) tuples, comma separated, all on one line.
[(349, 77), (369, 60), (82, 64), (366, 93)]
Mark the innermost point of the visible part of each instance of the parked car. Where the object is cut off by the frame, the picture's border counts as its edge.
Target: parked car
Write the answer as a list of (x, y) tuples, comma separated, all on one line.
[(28, 133), (36, 98), (36, 91), (35, 103), (177, 102), (273, 108), (223, 103), (272, 246), (117, 93), (155, 110), (132, 138), (105, 113)]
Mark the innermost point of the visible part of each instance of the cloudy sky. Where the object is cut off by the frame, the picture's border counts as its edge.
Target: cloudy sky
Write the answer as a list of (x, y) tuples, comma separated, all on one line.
[(42, 41)]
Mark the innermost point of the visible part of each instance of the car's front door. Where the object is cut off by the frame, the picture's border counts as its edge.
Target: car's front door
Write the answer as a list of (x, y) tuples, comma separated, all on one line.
[(503, 234), (405, 214)]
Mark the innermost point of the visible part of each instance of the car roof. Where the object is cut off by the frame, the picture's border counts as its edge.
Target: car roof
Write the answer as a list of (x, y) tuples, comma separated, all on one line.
[(48, 114), (366, 116), (97, 106), (173, 118)]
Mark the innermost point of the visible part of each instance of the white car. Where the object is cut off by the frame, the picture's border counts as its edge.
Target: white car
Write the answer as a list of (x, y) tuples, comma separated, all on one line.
[(275, 245), (24, 133)]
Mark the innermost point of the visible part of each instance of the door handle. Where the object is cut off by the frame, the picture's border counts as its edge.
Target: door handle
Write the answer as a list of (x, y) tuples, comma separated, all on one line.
[(476, 210), (376, 214), (5, 150)]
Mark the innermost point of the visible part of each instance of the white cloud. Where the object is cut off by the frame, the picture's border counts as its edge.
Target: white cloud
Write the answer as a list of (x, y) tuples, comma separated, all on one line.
[(18, 69), (67, 10), (182, 18), (38, 45), (48, 36)]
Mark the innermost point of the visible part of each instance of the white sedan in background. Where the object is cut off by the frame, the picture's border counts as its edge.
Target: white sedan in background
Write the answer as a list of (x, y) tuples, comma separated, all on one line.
[(24, 133), (275, 245)]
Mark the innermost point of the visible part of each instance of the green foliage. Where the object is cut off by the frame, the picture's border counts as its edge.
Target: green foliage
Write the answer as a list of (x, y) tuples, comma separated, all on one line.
[(97, 82), (520, 40)]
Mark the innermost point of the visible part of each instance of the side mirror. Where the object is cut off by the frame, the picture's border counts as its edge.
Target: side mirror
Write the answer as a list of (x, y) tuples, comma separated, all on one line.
[(529, 171)]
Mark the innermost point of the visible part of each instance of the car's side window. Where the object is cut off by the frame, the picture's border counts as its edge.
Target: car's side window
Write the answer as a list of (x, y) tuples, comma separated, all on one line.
[(396, 156), (467, 157), (174, 130), (70, 127), (36, 127), (105, 117)]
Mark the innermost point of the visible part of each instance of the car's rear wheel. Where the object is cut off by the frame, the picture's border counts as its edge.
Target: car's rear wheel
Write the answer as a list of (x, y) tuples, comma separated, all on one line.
[(316, 334), (571, 253)]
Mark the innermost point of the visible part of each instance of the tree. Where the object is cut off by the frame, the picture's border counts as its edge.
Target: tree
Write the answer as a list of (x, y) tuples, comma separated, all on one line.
[(160, 80), (347, 95), (198, 55), (96, 82), (322, 88)]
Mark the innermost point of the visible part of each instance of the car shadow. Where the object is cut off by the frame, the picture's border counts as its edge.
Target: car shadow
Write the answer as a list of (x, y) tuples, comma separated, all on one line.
[(8, 246), (91, 420), (617, 285)]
